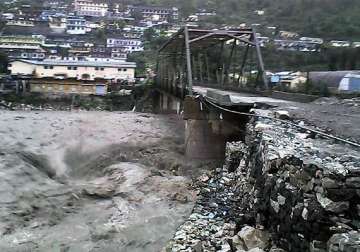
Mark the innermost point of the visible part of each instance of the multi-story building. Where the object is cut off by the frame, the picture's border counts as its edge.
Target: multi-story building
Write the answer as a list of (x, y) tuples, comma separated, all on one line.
[(75, 25), (130, 45), (79, 69), (93, 8), (69, 76), (155, 13), (22, 47)]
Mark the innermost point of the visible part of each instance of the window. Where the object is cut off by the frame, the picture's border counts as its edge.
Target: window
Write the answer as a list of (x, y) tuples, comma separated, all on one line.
[(102, 69), (125, 69), (96, 69), (71, 68)]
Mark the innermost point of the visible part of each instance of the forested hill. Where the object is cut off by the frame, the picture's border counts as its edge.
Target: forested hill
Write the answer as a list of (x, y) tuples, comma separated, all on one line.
[(330, 19)]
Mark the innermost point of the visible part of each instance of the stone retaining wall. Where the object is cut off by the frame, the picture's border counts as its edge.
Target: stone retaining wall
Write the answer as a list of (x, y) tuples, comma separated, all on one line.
[(304, 190)]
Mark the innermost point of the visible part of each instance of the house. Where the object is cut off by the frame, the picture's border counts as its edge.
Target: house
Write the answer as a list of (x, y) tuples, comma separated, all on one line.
[(69, 86), (75, 25), (92, 8), (319, 41), (130, 45), (356, 44), (80, 69), (288, 35), (22, 47), (155, 13), (288, 79), (20, 22), (337, 81), (339, 43), (73, 75)]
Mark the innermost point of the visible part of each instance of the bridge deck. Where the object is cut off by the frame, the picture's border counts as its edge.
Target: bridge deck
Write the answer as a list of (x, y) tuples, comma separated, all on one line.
[(242, 98)]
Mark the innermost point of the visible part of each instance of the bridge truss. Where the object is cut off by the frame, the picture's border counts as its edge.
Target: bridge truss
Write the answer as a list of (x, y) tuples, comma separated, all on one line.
[(219, 58)]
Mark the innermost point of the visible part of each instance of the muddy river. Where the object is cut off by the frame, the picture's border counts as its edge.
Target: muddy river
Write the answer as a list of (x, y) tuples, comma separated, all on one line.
[(91, 181)]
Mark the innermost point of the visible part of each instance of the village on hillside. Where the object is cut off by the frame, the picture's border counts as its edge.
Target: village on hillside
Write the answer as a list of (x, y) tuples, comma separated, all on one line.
[(59, 46)]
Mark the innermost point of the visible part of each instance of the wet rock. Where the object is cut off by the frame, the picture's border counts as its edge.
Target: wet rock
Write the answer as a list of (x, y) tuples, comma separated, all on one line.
[(238, 243), (331, 206), (353, 182), (346, 242), (254, 238), (100, 191), (317, 246), (282, 114)]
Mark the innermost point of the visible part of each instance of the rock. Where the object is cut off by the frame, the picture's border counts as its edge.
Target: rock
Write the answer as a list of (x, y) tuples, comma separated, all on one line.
[(282, 114), (346, 242), (276, 249), (238, 243), (330, 183), (275, 205), (197, 247), (256, 250), (353, 182), (254, 238), (100, 191), (180, 197), (317, 246), (331, 206)]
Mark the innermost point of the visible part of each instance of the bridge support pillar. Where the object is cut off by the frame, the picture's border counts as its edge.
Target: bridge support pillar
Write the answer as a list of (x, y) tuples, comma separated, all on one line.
[(204, 132)]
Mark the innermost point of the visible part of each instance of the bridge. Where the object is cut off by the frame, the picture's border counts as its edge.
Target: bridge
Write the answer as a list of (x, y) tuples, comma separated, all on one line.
[(218, 58), (192, 66)]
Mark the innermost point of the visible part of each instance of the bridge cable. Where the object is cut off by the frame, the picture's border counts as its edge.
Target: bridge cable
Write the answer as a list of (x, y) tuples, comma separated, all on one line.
[(282, 121)]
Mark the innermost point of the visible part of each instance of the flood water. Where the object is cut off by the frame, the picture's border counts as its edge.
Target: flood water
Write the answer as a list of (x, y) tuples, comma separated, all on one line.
[(90, 181)]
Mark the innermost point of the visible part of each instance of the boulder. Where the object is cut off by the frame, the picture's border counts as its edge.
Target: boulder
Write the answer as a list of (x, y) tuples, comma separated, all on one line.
[(254, 238)]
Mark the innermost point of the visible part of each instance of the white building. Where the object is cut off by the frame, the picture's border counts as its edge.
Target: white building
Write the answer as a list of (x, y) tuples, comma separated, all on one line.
[(339, 43), (93, 8), (85, 69), (130, 45)]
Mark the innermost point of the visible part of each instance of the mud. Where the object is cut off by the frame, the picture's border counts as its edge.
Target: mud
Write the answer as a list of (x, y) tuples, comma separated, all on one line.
[(91, 181)]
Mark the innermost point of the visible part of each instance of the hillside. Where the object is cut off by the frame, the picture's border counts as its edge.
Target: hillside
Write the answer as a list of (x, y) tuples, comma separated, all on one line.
[(330, 19)]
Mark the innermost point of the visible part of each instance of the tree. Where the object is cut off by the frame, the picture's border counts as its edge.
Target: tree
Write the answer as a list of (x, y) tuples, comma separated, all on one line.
[(4, 61)]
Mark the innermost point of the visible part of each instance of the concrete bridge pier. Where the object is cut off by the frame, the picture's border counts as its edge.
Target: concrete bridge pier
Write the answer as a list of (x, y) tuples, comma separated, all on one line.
[(205, 131), (166, 103)]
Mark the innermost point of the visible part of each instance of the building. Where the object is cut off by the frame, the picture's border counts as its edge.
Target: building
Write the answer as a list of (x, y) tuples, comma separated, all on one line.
[(92, 8), (22, 47), (69, 86), (20, 22), (287, 79), (337, 81), (339, 43), (84, 69), (58, 24), (75, 25), (154, 13), (130, 45)]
